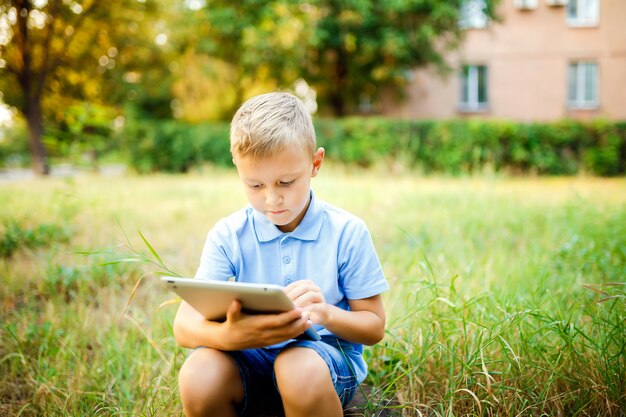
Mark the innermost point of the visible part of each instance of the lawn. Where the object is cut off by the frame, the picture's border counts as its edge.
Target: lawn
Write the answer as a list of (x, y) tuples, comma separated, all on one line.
[(507, 294)]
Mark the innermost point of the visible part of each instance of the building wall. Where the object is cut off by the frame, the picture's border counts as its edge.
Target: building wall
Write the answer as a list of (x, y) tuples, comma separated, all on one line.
[(527, 55)]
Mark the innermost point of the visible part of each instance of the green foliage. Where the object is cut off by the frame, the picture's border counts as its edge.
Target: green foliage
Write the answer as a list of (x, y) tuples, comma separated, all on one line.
[(605, 155), (462, 147), (359, 46), (85, 130), (60, 55), (14, 145), (175, 147), (453, 147), (78, 52), (14, 236), (346, 50)]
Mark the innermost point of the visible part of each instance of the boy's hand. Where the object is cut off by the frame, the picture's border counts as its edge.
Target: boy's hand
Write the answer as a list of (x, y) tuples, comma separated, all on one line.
[(307, 296), (246, 331)]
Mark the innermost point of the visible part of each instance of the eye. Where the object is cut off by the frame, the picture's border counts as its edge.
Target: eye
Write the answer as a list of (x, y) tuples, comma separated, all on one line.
[(255, 186), (286, 183)]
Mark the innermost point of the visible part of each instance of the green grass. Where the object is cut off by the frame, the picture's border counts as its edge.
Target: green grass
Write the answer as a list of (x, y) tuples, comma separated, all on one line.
[(507, 295)]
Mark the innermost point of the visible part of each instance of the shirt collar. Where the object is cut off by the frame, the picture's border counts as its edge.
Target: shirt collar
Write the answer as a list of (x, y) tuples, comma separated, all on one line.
[(308, 229)]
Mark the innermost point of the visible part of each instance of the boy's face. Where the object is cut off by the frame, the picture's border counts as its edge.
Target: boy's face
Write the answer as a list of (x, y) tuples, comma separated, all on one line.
[(279, 186)]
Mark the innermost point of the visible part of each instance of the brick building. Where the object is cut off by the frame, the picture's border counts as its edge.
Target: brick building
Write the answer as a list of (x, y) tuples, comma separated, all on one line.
[(544, 60)]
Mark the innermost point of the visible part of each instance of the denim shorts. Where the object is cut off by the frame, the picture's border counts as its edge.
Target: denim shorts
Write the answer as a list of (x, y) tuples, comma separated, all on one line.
[(256, 367)]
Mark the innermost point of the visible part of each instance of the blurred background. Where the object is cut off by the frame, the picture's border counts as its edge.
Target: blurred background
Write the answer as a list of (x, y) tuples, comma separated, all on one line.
[(460, 86)]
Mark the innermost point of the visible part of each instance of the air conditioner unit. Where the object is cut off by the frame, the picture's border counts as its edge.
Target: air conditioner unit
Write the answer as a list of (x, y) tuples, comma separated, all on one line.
[(526, 4), (556, 3)]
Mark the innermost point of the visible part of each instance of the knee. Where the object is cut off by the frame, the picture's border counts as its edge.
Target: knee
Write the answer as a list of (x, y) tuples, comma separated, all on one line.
[(303, 376), (208, 380)]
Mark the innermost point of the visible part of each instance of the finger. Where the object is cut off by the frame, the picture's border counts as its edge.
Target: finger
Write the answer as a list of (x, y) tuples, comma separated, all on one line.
[(299, 283), (273, 321), (301, 287), (308, 298), (234, 311), (294, 289), (290, 331), (298, 327)]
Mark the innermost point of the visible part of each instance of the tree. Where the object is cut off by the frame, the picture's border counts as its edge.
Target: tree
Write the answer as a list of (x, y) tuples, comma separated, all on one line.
[(234, 49), (361, 46), (56, 53), (348, 50)]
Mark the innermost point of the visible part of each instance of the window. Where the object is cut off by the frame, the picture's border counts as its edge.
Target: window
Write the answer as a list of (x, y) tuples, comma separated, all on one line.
[(583, 12), (473, 88), (473, 14), (582, 78), (526, 4)]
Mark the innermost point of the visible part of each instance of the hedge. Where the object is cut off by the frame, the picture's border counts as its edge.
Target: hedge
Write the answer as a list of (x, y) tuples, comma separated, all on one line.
[(452, 146), (173, 146)]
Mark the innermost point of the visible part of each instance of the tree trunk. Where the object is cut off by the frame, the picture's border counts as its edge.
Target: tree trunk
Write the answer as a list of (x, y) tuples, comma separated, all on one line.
[(338, 103), (32, 87), (35, 131), (337, 97)]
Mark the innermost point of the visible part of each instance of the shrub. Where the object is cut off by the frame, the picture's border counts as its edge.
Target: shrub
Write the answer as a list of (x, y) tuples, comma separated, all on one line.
[(172, 146), (14, 236), (451, 146), (604, 153), (14, 145)]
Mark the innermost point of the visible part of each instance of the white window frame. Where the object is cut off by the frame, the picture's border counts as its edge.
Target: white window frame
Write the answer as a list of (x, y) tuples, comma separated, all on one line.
[(526, 4), (583, 13), (470, 88), (583, 76), (472, 15)]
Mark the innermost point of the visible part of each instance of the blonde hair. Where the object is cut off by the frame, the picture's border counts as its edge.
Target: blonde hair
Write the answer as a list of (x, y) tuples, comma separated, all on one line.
[(266, 124)]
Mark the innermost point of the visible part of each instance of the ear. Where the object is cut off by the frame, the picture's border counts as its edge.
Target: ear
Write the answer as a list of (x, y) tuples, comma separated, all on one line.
[(318, 158)]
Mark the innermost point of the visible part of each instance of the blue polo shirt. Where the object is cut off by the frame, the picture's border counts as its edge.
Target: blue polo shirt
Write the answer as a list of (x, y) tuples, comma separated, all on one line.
[(330, 247)]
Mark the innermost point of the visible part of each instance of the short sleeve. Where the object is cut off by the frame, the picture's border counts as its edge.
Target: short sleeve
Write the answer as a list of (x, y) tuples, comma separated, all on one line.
[(216, 262), (360, 272)]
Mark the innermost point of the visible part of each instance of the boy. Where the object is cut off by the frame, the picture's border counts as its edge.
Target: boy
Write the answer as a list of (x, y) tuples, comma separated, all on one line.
[(324, 257)]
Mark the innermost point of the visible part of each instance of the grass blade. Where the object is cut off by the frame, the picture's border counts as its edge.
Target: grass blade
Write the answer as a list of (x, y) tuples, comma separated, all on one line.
[(154, 253)]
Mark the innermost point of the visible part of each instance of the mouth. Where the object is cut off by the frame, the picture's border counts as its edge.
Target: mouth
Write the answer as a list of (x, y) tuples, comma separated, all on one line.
[(277, 213)]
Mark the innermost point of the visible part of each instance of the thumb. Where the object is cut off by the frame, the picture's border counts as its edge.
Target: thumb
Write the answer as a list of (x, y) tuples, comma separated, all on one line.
[(234, 311)]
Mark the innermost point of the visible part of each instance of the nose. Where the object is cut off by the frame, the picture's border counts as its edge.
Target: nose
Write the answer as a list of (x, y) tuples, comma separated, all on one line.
[(273, 198)]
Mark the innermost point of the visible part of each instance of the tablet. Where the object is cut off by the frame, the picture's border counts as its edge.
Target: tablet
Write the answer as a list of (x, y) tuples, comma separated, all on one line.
[(212, 298)]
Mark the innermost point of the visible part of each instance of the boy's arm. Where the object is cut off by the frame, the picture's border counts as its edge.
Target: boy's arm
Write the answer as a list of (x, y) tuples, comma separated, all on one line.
[(239, 331), (364, 323)]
